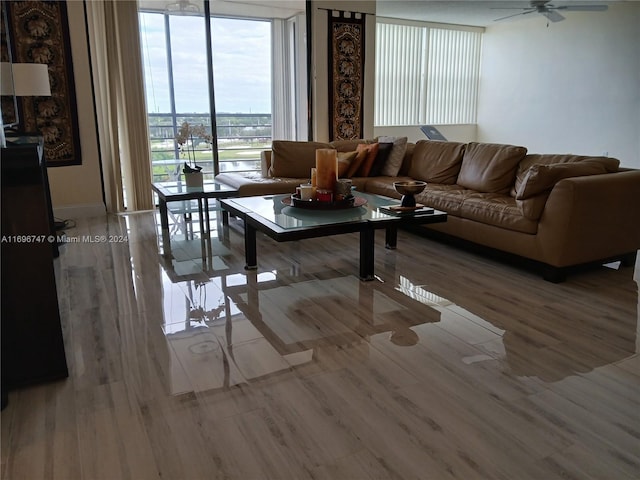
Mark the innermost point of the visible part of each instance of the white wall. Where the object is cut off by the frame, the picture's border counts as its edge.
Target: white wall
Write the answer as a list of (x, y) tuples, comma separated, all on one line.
[(571, 87)]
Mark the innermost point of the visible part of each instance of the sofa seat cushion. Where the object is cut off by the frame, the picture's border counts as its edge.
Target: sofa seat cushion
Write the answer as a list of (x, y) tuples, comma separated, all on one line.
[(294, 159), (359, 183), (532, 207), (448, 198), (250, 184), (490, 167), (437, 162), (497, 209)]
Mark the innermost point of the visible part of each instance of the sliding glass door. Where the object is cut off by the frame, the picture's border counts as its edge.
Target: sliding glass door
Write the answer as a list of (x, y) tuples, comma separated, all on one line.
[(242, 79), (249, 83)]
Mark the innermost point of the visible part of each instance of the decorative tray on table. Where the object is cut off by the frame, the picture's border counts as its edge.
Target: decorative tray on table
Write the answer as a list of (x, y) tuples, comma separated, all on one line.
[(349, 202)]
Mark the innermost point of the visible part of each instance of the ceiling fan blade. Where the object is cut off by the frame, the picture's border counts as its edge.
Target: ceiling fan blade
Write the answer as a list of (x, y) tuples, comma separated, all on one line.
[(583, 8), (552, 15), (513, 15)]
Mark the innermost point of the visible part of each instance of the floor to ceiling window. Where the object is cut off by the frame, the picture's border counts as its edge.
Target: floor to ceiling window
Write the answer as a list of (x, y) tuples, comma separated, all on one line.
[(242, 79), (177, 72)]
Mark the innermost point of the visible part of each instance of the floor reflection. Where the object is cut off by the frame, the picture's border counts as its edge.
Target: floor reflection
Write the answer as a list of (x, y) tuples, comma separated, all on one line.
[(225, 328), (234, 328), (544, 343)]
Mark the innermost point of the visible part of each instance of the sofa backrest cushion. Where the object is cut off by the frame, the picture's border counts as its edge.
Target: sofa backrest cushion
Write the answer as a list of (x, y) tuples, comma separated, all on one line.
[(406, 161), (436, 162), (294, 159), (540, 178), (610, 164), (392, 165), (348, 145), (490, 167)]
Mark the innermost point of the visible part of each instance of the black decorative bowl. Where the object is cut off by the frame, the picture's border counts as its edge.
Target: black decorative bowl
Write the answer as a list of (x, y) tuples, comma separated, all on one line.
[(408, 189)]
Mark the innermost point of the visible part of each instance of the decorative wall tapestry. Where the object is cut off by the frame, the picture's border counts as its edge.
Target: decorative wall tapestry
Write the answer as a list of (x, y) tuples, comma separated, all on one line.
[(346, 75), (7, 105), (39, 33)]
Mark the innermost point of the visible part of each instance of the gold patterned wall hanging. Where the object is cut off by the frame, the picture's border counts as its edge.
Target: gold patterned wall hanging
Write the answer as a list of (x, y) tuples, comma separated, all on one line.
[(39, 33), (346, 75)]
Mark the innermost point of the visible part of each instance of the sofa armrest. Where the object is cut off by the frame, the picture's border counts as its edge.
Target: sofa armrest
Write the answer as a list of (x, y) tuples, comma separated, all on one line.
[(591, 217), (265, 163)]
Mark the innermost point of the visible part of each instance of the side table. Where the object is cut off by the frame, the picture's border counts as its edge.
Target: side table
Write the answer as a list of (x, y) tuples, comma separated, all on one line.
[(176, 191)]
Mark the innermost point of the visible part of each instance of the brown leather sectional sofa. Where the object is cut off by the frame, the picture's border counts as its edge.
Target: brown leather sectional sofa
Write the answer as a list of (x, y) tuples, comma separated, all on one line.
[(559, 211)]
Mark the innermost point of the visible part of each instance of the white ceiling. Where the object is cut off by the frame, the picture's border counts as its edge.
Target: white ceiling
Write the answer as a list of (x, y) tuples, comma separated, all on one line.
[(480, 13)]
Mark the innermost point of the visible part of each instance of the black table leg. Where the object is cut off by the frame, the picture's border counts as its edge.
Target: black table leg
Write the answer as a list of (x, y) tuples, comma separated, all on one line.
[(367, 245), (250, 246), (164, 213), (206, 216), (164, 227), (391, 238)]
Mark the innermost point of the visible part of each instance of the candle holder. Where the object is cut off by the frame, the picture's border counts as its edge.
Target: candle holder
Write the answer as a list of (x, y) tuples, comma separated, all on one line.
[(326, 168)]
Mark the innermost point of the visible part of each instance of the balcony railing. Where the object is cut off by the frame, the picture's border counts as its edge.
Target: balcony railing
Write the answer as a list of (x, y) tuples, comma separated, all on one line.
[(241, 138)]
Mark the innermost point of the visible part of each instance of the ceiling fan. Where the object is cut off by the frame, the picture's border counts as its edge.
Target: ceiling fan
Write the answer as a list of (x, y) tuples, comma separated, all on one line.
[(545, 8)]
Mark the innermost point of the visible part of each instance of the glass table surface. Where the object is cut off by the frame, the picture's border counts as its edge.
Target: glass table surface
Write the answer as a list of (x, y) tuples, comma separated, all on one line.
[(272, 209), (179, 188)]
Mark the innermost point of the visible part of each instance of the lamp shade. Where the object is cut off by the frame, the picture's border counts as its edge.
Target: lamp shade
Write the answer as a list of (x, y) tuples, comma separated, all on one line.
[(6, 79), (31, 80)]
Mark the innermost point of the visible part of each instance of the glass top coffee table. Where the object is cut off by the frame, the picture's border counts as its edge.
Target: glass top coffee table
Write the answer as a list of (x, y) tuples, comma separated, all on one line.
[(268, 214), (177, 191)]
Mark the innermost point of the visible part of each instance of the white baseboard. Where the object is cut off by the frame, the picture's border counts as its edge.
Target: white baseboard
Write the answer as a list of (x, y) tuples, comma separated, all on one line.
[(80, 211)]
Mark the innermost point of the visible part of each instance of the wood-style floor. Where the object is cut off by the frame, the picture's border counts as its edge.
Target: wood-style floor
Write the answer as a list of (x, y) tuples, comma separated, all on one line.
[(449, 366)]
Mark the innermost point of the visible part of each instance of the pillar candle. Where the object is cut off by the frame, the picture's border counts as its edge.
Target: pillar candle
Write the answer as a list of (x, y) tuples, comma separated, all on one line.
[(326, 168)]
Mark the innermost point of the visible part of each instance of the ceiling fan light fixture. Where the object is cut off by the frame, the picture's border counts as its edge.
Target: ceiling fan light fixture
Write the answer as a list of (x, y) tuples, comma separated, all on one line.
[(552, 15)]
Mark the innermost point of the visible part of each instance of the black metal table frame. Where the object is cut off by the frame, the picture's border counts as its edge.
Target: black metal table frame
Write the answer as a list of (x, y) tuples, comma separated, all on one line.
[(202, 198), (254, 223)]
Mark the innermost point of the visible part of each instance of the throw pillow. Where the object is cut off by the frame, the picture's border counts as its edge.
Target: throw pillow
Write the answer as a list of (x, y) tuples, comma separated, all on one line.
[(294, 159), (344, 162), (372, 151), (396, 156), (609, 163), (543, 177), (384, 150), (436, 162), (356, 163), (490, 167)]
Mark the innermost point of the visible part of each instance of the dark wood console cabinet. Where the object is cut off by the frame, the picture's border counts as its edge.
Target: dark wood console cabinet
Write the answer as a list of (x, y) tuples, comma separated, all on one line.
[(32, 342)]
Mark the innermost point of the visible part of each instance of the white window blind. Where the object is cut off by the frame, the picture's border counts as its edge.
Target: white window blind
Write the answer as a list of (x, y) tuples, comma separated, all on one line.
[(426, 75)]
